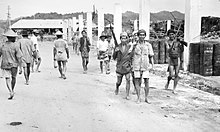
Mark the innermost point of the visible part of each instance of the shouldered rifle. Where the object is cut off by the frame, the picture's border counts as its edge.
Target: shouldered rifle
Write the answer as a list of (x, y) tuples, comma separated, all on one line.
[(113, 34)]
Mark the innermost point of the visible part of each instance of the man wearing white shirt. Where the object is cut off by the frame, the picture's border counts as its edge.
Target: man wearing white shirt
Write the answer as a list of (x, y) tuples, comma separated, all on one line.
[(102, 48), (36, 54)]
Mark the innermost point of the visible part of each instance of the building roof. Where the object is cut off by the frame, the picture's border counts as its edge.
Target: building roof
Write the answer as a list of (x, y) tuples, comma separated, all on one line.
[(38, 23)]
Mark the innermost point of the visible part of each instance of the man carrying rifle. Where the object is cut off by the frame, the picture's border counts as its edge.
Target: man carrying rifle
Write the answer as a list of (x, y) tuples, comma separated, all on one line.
[(175, 48), (123, 54)]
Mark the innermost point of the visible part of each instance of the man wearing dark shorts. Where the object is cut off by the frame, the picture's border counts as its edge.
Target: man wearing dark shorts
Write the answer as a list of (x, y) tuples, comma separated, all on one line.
[(26, 46), (123, 54), (174, 47), (11, 59)]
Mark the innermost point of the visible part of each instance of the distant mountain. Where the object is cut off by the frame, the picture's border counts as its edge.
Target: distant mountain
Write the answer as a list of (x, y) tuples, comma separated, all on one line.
[(160, 16), (127, 17)]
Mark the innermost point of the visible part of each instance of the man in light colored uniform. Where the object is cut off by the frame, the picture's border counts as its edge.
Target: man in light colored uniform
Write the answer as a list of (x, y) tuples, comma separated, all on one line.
[(142, 52)]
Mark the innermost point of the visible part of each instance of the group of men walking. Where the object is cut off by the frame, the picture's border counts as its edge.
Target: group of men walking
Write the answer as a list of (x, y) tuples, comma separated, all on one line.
[(134, 58), (18, 54)]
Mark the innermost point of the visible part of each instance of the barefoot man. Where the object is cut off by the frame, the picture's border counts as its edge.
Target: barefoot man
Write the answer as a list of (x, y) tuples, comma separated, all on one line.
[(123, 54), (61, 53), (26, 46), (175, 48), (142, 52), (11, 59)]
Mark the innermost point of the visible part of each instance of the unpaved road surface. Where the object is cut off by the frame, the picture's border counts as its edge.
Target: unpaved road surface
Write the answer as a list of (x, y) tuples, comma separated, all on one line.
[(86, 103)]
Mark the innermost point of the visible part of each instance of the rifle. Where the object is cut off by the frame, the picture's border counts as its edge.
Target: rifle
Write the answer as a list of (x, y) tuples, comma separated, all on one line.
[(113, 34)]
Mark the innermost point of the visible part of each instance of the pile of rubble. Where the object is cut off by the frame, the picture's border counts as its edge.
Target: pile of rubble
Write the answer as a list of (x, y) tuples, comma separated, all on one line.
[(192, 80)]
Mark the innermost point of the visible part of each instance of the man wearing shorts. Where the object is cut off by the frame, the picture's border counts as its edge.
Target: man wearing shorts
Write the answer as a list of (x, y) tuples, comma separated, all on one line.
[(26, 46), (123, 54), (11, 59), (142, 52), (61, 53), (102, 48)]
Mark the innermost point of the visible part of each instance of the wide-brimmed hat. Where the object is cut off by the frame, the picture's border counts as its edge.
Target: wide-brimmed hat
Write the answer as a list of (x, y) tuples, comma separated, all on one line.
[(103, 34), (58, 33), (10, 33)]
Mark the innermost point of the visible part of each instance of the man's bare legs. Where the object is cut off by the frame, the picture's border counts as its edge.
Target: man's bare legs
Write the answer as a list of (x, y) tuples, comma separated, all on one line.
[(127, 76), (38, 64), (138, 88), (64, 69), (146, 89), (85, 62), (60, 68), (10, 82), (170, 77), (101, 66), (176, 79), (118, 83)]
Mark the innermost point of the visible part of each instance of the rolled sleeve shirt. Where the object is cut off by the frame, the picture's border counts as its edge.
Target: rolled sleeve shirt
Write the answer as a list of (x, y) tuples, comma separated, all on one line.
[(141, 56)]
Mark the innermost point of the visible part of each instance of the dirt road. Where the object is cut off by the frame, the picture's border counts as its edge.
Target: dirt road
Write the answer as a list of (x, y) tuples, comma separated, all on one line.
[(86, 103)]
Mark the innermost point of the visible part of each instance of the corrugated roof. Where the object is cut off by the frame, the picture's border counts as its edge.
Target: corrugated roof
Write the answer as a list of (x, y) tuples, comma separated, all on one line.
[(38, 23)]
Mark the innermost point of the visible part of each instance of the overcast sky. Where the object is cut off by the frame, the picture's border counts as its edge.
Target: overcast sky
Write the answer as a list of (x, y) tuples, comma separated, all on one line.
[(30, 7)]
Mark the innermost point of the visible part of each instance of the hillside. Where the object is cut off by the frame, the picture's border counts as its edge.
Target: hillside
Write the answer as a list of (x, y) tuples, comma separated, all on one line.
[(127, 17)]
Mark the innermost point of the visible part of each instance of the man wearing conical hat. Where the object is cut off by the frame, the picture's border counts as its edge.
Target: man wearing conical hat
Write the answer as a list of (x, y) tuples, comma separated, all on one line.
[(102, 48), (27, 48), (11, 59), (61, 53)]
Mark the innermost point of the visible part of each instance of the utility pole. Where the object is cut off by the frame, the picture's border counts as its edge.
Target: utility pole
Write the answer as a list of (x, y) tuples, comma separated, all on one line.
[(8, 18)]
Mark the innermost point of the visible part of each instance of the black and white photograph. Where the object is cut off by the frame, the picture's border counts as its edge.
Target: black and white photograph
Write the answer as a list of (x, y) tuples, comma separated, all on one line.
[(110, 65)]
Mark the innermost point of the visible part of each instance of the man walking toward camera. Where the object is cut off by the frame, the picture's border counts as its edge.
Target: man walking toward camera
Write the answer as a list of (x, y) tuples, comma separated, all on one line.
[(123, 54), (142, 52)]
